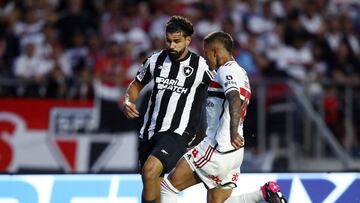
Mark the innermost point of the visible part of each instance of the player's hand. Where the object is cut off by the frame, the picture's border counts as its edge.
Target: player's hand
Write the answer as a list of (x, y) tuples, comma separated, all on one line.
[(130, 109), (237, 141)]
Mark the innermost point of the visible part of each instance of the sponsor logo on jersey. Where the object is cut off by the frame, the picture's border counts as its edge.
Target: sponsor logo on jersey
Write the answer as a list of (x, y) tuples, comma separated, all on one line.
[(142, 72), (170, 84), (209, 104), (229, 81)]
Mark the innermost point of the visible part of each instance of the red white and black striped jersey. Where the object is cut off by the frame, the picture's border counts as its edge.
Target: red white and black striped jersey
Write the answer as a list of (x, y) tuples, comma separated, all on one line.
[(179, 91), (229, 76)]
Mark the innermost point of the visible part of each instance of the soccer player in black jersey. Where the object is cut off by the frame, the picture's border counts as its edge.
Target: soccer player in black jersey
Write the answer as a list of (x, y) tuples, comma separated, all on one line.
[(180, 80)]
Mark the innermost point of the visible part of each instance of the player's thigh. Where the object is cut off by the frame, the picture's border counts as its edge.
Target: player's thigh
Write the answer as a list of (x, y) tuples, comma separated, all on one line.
[(145, 148), (169, 148), (182, 176), (218, 195)]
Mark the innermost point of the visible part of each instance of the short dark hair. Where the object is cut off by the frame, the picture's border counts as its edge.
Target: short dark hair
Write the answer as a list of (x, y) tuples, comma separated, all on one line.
[(221, 37), (179, 24)]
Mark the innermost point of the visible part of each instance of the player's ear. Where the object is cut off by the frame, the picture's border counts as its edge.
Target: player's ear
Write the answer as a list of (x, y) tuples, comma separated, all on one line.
[(187, 40), (215, 50)]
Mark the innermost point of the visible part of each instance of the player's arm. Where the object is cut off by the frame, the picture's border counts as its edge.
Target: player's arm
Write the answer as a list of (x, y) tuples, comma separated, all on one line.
[(132, 93), (201, 130), (235, 104)]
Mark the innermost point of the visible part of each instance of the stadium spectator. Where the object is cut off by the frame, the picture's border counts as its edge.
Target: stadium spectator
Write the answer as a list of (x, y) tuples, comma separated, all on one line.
[(110, 85), (32, 70), (4, 70), (346, 66), (30, 27), (110, 18), (311, 19), (350, 35), (75, 20), (333, 34)]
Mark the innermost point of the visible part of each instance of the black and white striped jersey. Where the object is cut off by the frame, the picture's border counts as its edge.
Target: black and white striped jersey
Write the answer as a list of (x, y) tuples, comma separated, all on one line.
[(178, 93)]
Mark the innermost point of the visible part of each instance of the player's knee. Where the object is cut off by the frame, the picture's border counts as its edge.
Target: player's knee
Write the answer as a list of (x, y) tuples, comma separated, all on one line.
[(151, 171)]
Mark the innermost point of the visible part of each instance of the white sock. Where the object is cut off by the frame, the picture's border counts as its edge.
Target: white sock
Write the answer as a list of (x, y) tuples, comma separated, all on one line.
[(168, 193), (251, 197)]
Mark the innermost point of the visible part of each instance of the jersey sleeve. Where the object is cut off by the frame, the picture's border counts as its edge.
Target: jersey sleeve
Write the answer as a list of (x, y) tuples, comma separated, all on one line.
[(234, 78), (208, 77), (208, 74), (143, 76)]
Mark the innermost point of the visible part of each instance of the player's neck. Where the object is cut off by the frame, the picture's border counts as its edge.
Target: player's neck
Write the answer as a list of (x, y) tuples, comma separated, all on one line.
[(184, 55), (224, 59)]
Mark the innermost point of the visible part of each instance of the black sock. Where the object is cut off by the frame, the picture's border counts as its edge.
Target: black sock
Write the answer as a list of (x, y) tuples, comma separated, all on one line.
[(147, 201)]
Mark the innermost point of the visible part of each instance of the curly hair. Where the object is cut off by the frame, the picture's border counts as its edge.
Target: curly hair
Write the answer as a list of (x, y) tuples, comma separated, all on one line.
[(179, 24)]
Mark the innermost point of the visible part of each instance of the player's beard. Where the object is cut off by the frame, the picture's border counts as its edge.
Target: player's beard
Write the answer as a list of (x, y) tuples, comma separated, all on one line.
[(176, 54)]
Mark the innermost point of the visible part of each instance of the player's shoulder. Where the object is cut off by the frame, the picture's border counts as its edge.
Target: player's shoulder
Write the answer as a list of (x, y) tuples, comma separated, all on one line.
[(152, 58), (196, 55), (231, 66), (201, 62), (156, 54)]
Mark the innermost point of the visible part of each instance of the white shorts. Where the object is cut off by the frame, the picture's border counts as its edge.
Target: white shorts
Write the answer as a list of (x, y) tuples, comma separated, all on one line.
[(216, 170)]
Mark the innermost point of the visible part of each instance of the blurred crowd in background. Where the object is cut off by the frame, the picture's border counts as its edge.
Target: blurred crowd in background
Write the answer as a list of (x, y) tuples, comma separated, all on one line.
[(92, 49)]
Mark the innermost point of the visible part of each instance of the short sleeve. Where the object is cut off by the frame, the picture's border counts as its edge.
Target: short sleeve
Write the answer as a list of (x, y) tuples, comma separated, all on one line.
[(208, 74), (229, 79), (234, 77), (143, 76)]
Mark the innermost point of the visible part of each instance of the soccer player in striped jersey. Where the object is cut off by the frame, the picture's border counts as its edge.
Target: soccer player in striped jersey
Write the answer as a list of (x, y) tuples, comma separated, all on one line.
[(216, 160), (180, 80)]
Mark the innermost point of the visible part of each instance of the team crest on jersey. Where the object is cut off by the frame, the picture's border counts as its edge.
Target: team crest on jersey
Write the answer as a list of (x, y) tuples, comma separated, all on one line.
[(188, 70)]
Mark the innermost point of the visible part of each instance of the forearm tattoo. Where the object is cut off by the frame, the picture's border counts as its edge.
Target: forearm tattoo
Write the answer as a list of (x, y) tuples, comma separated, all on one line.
[(235, 104)]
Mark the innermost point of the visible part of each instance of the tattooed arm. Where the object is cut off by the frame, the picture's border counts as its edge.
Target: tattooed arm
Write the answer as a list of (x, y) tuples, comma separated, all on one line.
[(235, 104)]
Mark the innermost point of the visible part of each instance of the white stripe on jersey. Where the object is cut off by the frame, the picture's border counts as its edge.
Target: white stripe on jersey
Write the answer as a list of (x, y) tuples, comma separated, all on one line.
[(186, 113), (152, 60), (171, 108), (211, 74)]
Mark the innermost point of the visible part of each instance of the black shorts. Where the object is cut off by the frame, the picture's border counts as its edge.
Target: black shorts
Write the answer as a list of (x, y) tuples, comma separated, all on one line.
[(166, 146)]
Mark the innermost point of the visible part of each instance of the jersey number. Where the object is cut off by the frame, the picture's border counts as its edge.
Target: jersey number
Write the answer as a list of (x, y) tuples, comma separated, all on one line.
[(246, 94)]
